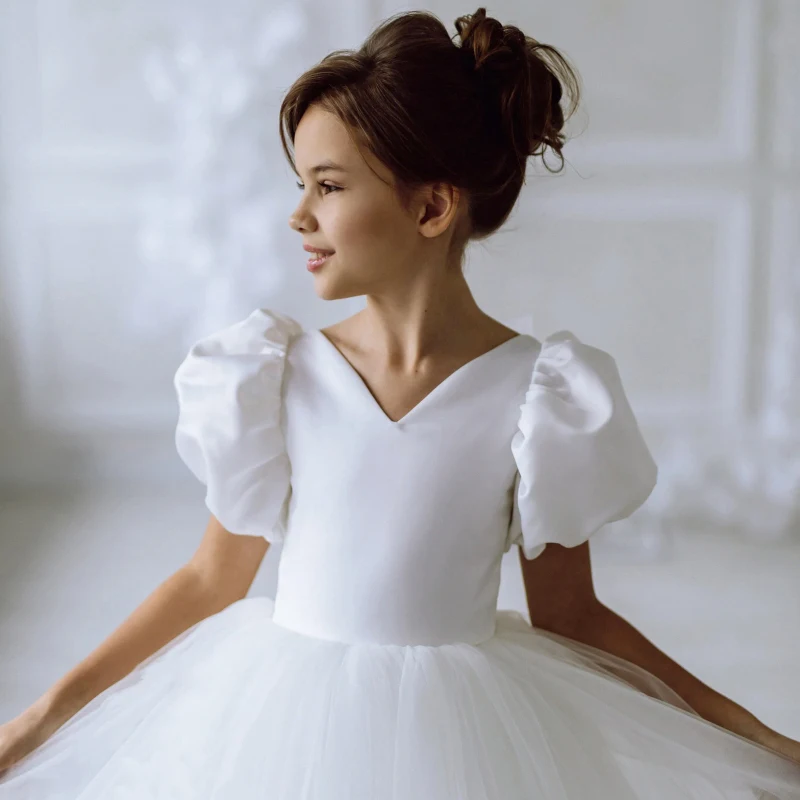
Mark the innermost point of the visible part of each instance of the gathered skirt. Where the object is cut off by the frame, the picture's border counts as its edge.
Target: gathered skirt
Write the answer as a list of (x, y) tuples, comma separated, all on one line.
[(240, 708)]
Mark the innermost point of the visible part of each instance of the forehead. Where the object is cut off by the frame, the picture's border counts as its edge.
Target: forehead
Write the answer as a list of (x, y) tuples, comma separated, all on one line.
[(322, 139)]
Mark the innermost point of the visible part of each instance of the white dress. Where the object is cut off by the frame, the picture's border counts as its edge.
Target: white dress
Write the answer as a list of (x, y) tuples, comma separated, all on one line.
[(383, 669)]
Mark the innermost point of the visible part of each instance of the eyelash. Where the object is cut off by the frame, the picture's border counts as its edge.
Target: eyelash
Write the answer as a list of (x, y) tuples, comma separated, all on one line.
[(326, 185)]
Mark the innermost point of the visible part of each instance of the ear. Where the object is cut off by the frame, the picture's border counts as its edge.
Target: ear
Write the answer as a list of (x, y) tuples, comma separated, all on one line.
[(439, 207)]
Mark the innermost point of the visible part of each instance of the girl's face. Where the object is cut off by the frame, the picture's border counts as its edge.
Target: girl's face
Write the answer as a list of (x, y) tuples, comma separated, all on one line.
[(378, 245)]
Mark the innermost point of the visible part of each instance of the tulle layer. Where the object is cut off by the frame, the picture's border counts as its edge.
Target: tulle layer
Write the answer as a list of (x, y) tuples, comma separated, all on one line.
[(241, 708)]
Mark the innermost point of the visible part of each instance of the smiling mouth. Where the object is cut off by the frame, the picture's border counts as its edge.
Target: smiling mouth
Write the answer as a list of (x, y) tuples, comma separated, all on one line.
[(318, 259)]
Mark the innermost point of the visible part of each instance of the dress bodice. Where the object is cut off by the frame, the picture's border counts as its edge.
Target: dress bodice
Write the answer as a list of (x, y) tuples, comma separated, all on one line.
[(394, 532)]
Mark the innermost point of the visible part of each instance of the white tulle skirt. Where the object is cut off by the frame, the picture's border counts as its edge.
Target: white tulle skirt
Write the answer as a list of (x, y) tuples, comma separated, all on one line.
[(240, 708)]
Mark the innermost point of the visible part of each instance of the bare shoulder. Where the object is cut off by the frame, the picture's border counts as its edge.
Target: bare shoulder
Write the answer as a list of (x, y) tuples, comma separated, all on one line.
[(501, 331), (341, 330), (344, 334), (488, 334)]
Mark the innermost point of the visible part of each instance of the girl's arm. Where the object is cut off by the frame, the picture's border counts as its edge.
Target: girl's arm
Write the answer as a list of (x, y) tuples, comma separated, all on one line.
[(561, 598), (218, 574)]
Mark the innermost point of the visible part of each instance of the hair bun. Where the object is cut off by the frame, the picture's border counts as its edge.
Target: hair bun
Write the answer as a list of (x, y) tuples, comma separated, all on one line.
[(489, 46), (521, 80)]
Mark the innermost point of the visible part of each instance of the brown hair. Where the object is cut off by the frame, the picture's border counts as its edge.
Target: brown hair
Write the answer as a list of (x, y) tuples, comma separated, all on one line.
[(431, 110)]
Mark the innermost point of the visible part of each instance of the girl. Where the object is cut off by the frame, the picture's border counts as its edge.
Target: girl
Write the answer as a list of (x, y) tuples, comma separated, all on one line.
[(397, 455)]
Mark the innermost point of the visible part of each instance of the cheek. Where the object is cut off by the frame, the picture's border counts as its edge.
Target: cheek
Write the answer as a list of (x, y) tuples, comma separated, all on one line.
[(370, 227)]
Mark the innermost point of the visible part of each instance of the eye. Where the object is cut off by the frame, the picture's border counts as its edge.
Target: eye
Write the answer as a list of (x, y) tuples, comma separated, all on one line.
[(324, 185)]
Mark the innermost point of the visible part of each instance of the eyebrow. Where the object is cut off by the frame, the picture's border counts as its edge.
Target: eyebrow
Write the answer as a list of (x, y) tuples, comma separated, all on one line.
[(327, 166)]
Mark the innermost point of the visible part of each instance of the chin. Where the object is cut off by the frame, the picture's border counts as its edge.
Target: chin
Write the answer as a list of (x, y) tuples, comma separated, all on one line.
[(331, 290)]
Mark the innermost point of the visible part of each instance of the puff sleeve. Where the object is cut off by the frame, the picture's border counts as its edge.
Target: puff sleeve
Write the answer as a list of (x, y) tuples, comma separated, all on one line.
[(581, 459), (229, 422)]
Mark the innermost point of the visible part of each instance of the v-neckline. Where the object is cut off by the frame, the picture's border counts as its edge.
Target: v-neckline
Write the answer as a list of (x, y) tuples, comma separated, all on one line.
[(429, 397)]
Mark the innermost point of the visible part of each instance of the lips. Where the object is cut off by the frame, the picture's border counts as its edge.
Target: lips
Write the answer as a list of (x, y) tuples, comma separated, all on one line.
[(317, 251), (315, 262)]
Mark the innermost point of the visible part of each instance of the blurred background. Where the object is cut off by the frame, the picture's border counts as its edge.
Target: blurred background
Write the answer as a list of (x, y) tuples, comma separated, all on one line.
[(145, 202)]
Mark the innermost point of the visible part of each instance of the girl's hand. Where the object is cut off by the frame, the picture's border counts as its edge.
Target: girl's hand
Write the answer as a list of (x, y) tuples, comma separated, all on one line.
[(22, 735)]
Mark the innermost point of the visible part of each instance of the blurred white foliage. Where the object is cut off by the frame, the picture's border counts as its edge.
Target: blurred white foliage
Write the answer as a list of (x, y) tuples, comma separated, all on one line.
[(747, 482), (207, 240)]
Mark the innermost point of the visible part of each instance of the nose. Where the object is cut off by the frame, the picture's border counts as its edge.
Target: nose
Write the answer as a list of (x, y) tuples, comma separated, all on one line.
[(301, 220), (300, 223)]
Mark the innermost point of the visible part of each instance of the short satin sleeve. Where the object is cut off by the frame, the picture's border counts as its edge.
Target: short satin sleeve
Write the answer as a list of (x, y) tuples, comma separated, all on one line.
[(229, 422), (581, 458)]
